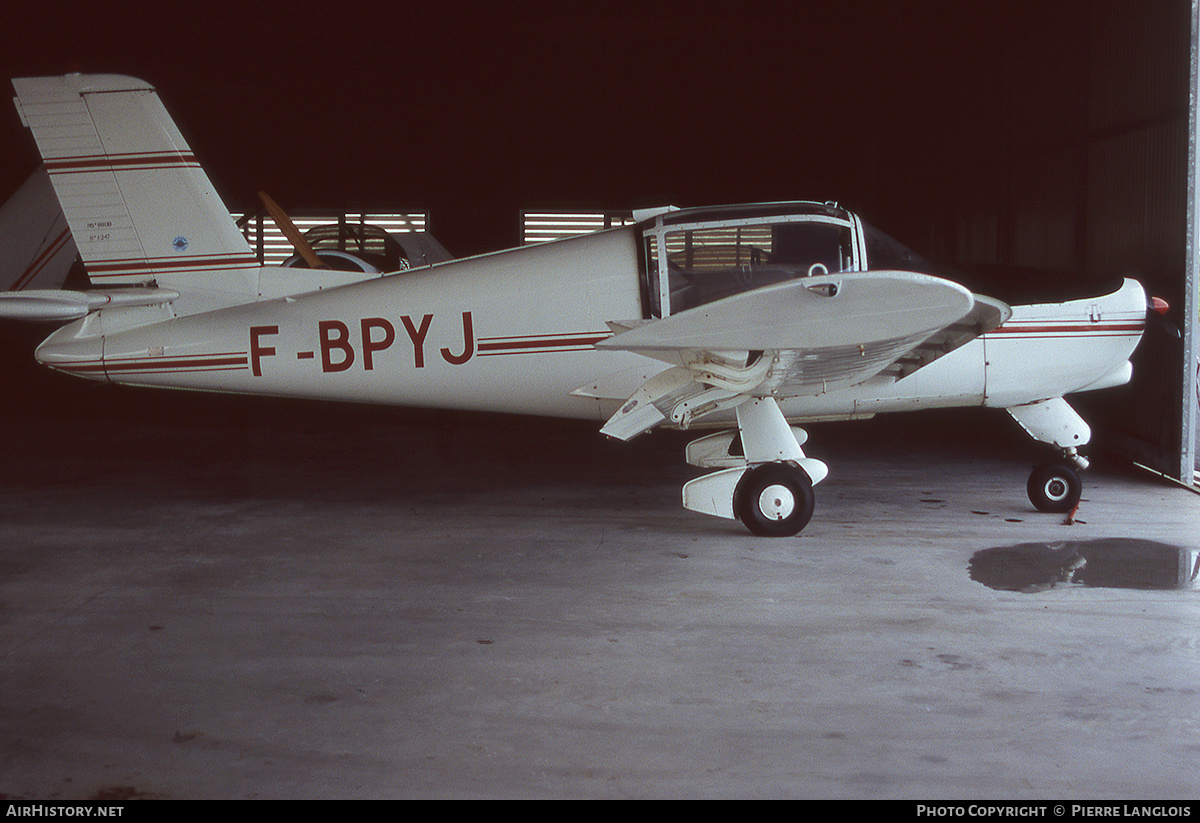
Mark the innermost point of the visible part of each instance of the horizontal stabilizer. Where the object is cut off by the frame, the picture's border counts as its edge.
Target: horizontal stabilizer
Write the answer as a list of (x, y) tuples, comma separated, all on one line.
[(61, 305)]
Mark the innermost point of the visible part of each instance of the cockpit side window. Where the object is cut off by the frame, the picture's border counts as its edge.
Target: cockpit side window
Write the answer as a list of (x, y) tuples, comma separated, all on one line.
[(707, 263), (813, 246)]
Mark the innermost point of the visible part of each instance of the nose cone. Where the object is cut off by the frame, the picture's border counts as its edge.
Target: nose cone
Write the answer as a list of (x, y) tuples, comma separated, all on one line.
[(1159, 305), (67, 351)]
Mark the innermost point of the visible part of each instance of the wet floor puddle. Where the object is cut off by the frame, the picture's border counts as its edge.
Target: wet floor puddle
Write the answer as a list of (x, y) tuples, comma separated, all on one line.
[(1114, 563)]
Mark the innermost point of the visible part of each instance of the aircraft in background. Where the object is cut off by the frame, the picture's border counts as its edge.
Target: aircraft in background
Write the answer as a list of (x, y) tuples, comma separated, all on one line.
[(746, 319)]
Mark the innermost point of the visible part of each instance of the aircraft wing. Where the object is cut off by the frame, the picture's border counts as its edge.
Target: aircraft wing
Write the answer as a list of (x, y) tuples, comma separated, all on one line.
[(799, 337)]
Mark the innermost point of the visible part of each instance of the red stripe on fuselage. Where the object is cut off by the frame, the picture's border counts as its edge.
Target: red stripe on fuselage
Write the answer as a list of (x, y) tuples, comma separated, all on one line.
[(1030, 330), (532, 344), (181, 364)]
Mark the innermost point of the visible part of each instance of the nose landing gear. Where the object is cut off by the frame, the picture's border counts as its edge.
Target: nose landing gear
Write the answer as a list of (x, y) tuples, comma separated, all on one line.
[(1055, 486)]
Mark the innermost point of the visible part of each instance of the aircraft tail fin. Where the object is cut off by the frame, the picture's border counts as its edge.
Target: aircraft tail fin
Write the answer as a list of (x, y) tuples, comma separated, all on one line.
[(37, 247), (141, 209)]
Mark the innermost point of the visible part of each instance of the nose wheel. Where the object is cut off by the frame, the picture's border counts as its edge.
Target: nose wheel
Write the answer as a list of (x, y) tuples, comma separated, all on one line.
[(1054, 487)]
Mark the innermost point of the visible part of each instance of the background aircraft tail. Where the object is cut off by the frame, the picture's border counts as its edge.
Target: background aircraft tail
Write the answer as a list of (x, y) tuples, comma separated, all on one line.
[(38, 249), (140, 208)]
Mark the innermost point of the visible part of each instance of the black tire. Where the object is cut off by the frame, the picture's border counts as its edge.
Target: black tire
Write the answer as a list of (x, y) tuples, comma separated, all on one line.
[(774, 500), (1054, 487)]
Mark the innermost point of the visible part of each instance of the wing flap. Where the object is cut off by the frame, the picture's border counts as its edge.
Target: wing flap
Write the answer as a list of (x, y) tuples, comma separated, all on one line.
[(987, 314), (619, 385), (642, 411)]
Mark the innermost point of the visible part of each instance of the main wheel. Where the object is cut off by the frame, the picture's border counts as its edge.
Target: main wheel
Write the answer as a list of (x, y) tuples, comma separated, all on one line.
[(1054, 487), (774, 500)]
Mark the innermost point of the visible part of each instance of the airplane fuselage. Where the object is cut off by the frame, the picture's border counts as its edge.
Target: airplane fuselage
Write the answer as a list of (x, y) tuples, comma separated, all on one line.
[(515, 332)]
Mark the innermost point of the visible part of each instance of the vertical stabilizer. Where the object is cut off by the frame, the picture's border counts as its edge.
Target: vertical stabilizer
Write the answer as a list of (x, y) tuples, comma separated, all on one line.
[(138, 204)]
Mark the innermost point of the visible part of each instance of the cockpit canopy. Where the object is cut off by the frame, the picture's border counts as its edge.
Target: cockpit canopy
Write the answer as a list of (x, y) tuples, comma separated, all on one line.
[(696, 256)]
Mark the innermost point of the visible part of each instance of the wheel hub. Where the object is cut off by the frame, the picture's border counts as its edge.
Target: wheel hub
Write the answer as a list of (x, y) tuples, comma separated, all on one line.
[(777, 502), (1056, 488)]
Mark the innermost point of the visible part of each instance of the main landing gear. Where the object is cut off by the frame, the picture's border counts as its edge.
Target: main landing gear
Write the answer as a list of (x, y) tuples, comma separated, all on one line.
[(765, 479)]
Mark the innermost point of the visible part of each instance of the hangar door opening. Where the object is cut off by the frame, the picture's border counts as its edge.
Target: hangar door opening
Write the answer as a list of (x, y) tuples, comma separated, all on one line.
[(1190, 458), (1059, 156)]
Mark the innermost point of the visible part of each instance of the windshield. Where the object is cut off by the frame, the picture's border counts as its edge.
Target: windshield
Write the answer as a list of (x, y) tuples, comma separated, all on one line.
[(885, 253)]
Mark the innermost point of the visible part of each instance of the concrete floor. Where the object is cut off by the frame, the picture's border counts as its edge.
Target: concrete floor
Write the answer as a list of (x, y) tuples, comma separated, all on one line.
[(308, 601)]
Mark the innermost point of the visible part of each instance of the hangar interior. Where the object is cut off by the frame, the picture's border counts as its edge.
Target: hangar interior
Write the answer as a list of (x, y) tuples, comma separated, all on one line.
[(1076, 161), (1055, 157), (209, 596)]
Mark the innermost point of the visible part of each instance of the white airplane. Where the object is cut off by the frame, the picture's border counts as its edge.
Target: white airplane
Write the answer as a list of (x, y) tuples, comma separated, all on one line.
[(747, 319)]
